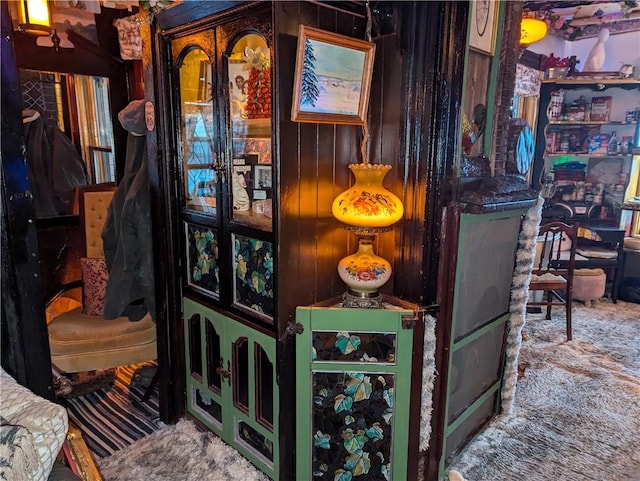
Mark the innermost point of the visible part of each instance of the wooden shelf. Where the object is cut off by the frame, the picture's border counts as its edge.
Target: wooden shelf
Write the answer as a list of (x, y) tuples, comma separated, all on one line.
[(586, 122), (584, 154), (252, 128), (592, 80)]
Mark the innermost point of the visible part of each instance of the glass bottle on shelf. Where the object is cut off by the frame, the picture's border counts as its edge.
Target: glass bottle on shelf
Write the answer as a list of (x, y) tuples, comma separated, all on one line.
[(613, 147), (564, 143)]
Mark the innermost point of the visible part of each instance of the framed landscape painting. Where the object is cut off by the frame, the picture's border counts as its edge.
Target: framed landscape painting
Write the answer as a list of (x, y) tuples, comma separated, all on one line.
[(332, 78)]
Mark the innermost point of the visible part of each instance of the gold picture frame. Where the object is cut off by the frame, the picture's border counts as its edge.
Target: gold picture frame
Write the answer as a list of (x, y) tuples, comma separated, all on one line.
[(332, 78), (78, 456)]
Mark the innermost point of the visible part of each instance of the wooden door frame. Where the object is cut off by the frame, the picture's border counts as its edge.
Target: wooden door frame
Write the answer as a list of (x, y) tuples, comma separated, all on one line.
[(25, 343)]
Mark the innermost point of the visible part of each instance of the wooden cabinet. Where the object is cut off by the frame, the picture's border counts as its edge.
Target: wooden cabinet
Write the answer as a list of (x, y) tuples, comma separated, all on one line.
[(239, 246), (354, 388), (224, 152), (587, 131), (230, 384), (220, 74)]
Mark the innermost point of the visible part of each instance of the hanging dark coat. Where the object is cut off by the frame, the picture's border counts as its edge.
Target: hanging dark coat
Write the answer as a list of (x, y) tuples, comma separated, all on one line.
[(127, 240), (55, 168)]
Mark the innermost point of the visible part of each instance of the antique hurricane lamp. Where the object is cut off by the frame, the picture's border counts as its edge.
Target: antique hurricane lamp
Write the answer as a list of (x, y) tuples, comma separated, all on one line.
[(366, 209)]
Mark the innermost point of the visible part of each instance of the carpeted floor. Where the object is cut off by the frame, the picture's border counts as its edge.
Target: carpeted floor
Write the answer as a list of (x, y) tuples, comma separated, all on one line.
[(179, 453), (576, 414)]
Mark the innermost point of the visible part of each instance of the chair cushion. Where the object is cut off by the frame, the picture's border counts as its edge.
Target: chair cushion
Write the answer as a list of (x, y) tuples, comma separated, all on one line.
[(632, 243), (94, 279), (76, 333), (588, 272), (589, 287), (597, 252), (547, 277)]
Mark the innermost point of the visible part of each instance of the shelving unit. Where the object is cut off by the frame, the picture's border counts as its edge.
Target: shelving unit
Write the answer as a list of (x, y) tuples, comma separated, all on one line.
[(591, 182)]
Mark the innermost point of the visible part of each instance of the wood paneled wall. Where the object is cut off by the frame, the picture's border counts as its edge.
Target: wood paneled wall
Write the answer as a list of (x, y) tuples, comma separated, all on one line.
[(314, 161)]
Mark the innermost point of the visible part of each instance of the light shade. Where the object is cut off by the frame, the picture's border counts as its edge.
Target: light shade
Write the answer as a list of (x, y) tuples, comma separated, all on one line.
[(34, 17), (367, 209), (532, 30), (368, 203)]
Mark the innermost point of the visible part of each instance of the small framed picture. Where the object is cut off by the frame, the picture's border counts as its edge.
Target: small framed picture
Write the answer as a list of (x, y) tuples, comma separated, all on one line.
[(332, 79), (483, 25), (262, 176)]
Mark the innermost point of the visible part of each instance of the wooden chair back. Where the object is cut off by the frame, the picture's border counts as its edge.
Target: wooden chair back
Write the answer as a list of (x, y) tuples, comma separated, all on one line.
[(555, 258)]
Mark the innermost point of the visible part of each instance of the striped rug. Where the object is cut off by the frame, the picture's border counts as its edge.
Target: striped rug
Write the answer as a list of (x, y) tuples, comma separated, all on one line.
[(114, 417)]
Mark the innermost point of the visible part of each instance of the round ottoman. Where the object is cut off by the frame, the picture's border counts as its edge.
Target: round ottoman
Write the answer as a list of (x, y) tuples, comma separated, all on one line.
[(588, 285)]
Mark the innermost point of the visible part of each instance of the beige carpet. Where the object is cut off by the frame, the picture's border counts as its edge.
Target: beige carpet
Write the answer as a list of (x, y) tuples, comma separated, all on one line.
[(178, 453), (576, 414)]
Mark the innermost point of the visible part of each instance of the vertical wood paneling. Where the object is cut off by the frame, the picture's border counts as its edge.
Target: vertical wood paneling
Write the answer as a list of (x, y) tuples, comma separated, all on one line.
[(313, 170)]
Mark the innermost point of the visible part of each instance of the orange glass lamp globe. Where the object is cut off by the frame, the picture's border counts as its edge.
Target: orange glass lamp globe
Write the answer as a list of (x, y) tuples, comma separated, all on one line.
[(368, 203), (532, 30)]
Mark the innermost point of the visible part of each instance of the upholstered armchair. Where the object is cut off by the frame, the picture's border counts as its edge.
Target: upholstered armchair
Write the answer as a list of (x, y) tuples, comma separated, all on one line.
[(81, 339)]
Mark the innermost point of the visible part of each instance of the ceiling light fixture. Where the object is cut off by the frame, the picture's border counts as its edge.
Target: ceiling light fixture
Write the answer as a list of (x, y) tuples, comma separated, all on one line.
[(34, 18)]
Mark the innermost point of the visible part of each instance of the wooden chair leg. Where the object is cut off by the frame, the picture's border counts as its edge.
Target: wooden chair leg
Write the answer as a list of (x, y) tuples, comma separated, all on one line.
[(549, 301), (569, 301), (150, 388)]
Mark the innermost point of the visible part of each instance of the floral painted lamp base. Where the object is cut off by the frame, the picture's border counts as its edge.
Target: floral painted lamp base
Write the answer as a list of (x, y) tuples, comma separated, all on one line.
[(364, 273)]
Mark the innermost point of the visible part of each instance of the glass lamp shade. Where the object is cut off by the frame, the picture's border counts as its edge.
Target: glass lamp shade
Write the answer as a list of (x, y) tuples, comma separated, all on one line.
[(364, 272), (532, 30), (34, 17), (368, 203)]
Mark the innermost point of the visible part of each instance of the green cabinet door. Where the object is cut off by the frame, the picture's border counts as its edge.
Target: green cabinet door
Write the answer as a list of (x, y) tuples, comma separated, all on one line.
[(231, 383), (353, 372)]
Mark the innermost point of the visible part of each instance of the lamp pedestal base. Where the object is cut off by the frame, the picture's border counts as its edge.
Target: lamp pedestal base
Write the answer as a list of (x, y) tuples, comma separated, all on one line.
[(362, 300)]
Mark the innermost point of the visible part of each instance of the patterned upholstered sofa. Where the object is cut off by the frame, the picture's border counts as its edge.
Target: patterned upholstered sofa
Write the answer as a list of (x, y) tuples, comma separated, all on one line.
[(32, 432)]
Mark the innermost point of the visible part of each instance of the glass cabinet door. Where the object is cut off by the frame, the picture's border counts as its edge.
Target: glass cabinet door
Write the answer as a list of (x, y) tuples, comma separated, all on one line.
[(198, 152), (248, 67)]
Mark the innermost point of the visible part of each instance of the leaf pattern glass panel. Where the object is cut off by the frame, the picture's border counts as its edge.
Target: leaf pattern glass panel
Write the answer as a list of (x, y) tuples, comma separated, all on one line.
[(249, 84), (197, 133), (354, 346), (352, 426), (203, 262), (208, 405), (248, 435), (253, 273)]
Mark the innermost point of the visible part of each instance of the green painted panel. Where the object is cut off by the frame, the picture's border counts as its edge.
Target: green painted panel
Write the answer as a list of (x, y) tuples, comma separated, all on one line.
[(486, 250), (241, 428), (353, 412)]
